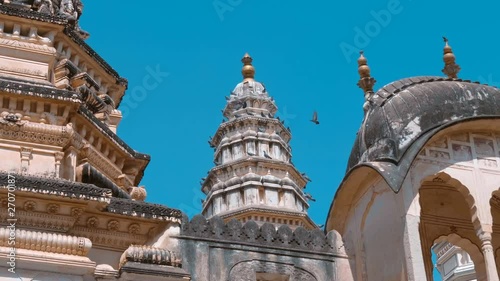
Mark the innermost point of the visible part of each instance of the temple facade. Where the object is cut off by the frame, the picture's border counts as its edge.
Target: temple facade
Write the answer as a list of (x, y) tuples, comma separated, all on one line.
[(423, 174)]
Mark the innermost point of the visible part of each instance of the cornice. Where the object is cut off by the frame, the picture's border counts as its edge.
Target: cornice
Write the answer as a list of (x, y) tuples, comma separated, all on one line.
[(46, 242)]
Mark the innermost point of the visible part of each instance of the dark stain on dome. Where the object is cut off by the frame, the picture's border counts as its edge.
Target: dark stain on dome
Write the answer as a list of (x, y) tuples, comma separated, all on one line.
[(408, 112)]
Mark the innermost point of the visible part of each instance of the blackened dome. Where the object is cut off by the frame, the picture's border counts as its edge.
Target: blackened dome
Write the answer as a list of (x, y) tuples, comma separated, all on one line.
[(408, 112)]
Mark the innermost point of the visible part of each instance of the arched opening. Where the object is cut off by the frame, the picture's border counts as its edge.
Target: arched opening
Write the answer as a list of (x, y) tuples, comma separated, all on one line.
[(495, 236), (454, 262), (448, 215)]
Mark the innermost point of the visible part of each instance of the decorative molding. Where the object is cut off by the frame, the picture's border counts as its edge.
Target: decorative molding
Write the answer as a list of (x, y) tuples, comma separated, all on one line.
[(47, 242), (150, 255), (58, 187), (266, 235), (144, 210), (249, 270)]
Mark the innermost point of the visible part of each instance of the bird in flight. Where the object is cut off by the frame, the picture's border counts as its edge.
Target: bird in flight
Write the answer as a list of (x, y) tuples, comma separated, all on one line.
[(315, 118)]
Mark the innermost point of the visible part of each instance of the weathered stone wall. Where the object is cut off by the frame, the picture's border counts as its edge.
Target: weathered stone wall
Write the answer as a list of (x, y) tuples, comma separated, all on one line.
[(214, 251)]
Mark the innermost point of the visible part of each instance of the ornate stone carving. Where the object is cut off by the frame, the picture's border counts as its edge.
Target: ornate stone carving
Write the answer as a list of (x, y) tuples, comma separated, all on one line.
[(138, 193), (53, 209), (134, 229), (93, 222), (247, 271), (234, 232), (76, 212), (58, 187), (30, 206), (142, 209), (150, 255), (47, 242), (113, 225)]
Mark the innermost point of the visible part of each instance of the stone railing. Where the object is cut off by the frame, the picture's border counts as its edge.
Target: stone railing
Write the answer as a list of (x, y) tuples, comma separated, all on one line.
[(150, 255), (46, 242), (267, 235)]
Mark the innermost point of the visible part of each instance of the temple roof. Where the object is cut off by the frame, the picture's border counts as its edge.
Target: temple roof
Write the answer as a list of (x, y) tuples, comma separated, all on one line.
[(406, 113)]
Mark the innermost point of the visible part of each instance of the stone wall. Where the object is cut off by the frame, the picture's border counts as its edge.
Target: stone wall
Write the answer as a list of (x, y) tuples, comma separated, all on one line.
[(214, 250)]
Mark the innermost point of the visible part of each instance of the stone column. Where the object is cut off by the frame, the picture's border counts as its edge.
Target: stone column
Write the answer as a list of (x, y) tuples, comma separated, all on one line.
[(415, 265), (26, 153), (489, 257), (59, 156), (70, 166)]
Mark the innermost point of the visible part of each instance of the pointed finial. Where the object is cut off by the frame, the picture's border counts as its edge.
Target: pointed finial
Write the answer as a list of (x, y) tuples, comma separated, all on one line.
[(451, 69), (248, 70), (366, 82)]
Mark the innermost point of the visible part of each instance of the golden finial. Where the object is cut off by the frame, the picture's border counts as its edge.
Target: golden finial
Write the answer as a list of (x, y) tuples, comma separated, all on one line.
[(248, 70), (451, 69), (365, 81)]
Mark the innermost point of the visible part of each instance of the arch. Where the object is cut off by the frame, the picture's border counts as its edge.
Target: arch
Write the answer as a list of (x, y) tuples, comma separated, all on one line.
[(447, 206), (472, 249), (446, 179)]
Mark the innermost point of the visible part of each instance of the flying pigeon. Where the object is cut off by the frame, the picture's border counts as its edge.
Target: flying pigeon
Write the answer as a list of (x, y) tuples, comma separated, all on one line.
[(315, 118), (267, 155)]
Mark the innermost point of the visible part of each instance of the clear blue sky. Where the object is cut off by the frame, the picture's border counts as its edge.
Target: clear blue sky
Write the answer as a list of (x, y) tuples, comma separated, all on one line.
[(298, 53)]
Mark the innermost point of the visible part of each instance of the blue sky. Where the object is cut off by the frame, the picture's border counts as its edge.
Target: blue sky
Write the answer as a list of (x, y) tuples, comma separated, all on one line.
[(303, 52)]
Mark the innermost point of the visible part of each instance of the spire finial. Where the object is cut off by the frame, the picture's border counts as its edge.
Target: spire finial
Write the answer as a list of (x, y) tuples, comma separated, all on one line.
[(248, 70), (451, 69), (366, 82)]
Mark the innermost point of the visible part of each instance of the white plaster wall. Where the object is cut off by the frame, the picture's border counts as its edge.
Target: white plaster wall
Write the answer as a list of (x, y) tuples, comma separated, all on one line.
[(14, 163), (42, 163), (251, 195), (272, 197)]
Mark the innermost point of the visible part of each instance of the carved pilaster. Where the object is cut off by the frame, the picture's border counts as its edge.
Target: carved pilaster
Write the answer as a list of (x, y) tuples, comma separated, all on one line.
[(59, 156), (70, 167), (26, 155), (489, 257)]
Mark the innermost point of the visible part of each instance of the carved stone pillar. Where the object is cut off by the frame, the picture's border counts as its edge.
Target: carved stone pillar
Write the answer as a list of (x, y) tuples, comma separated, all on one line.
[(489, 257), (26, 153), (59, 156), (70, 164)]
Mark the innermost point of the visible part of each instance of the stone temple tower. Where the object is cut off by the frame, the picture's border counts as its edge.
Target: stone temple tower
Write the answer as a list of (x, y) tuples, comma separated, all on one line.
[(254, 177)]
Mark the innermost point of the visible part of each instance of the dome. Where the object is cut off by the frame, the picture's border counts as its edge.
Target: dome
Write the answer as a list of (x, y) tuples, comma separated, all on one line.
[(235, 137), (219, 185), (286, 181), (249, 133), (251, 176), (234, 180), (249, 88), (408, 112), (224, 141), (271, 179)]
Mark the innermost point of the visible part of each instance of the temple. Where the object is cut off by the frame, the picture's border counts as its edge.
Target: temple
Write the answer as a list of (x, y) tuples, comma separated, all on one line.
[(423, 176)]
